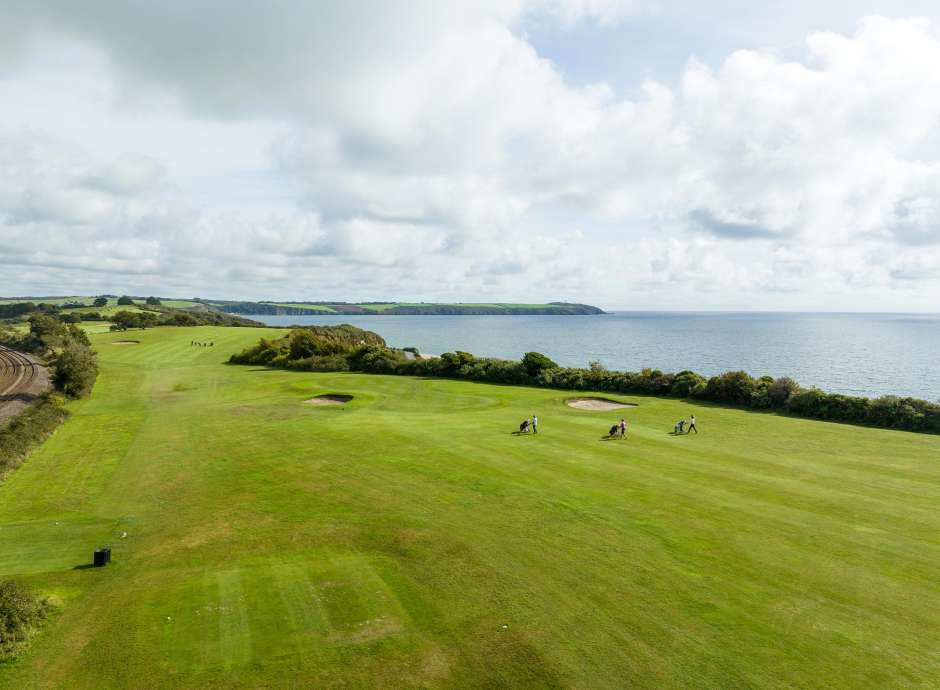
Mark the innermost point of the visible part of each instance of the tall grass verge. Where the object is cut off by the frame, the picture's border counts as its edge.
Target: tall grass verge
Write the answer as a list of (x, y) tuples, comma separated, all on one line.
[(27, 431)]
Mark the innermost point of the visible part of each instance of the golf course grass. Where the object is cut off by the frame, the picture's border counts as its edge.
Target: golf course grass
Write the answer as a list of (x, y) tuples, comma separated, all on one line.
[(407, 538)]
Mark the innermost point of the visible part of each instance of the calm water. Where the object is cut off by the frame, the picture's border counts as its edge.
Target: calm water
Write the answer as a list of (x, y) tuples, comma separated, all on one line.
[(859, 354)]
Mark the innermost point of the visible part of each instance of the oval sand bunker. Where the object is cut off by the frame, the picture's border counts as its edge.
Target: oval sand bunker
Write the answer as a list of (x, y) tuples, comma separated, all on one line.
[(597, 404), (329, 400), (126, 342)]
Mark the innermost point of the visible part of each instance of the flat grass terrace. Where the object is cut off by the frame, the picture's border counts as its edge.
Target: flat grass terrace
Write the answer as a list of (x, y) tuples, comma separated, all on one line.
[(408, 538)]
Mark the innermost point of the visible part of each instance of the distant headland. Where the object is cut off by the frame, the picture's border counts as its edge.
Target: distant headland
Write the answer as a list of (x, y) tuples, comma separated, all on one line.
[(105, 304), (400, 308)]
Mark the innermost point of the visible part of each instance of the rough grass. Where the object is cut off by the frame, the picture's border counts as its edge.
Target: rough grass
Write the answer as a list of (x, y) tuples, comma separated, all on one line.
[(411, 540), (28, 430)]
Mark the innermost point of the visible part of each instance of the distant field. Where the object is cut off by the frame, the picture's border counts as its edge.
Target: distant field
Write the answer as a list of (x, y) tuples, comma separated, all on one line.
[(409, 539), (51, 300), (303, 305), (181, 304), (112, 301), (95, 326)]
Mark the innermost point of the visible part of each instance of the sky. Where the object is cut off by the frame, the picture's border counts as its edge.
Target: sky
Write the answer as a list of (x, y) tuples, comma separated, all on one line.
[(632, 154)]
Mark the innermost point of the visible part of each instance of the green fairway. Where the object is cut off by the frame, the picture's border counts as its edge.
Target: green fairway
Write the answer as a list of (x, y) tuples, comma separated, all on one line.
[(409, 539)]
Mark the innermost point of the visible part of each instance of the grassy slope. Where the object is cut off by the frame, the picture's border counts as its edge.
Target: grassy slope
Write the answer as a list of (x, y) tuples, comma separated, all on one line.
[(388, 543)]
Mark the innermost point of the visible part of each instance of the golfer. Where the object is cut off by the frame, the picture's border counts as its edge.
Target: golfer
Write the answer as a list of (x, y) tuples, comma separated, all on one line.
[(535, 425), (623, 427), (692, 425)]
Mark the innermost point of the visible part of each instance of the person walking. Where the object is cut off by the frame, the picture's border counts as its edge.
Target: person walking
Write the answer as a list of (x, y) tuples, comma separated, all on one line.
[(535, 424), (623, 427), (692, 425)]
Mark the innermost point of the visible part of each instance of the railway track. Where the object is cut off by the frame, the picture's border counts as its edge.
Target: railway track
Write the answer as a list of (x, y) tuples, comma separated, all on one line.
[(22, 380), (17, 372)]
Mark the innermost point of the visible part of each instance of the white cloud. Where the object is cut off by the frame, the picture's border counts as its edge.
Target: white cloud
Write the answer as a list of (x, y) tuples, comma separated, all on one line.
[(425, 150)]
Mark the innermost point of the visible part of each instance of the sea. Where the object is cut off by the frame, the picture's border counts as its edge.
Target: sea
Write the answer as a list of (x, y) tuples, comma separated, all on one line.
[(855, 354)]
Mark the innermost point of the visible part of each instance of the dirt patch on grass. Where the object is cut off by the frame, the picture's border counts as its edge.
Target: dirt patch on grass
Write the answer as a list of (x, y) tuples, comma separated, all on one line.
[(126, 342), (597, 404), (330, 399)]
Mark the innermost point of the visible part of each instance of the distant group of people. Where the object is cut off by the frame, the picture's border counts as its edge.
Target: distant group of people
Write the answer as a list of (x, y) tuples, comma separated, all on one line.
[(528, 424), (681, 427), (617, 430), (198, 344)]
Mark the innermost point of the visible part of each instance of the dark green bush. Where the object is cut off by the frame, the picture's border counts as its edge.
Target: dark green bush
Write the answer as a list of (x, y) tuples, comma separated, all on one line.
[(21, 614), (735, 387), (685, 382), (124, 320), (75, 369), (535, 363), (780, 391)]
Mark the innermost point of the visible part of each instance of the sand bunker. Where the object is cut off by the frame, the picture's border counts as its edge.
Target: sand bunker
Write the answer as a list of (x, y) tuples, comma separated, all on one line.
[(597, 404), (126, 342), (329, 400)]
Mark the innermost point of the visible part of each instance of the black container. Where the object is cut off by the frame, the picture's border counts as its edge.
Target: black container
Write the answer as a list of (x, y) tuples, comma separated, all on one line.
[(102, 557)]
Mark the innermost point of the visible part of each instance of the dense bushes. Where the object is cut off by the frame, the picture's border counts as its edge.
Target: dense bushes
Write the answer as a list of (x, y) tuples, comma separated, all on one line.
[(124, 320), (21, 614), (323, 348), (76, 368), (535, 363), (65, 346), (340, 348)]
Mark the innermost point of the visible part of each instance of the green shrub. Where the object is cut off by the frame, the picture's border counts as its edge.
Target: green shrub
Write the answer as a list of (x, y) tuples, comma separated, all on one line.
[(76, 368), (21, 614), (735, 387), (535, 363), (685, 382), (781, 390)]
